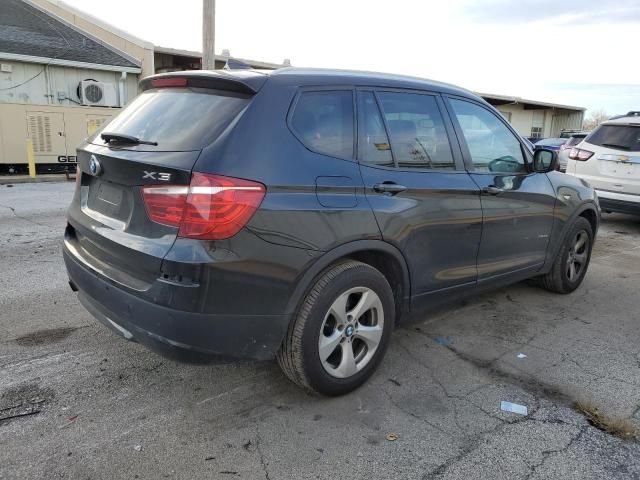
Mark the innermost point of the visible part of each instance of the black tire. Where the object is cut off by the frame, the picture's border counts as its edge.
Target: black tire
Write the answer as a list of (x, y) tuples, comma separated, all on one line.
[(558, 279), (299, 355)]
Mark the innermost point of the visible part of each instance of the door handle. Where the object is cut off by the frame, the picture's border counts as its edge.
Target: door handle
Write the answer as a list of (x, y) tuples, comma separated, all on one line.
[(492, 190), (391, 188)]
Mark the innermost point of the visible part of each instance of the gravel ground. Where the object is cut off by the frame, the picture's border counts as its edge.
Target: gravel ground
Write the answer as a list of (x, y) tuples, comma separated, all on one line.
[(78, 402)]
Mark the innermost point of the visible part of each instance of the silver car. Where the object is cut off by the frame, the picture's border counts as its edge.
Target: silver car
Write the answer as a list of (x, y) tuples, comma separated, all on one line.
[(572, 141)]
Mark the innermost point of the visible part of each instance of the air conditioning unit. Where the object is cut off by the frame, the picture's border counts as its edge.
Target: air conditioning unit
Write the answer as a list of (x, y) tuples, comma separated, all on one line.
[(97, 93)]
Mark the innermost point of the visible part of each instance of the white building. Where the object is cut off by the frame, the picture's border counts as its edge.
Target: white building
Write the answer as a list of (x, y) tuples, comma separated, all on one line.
[(532, 118), (63, 73)]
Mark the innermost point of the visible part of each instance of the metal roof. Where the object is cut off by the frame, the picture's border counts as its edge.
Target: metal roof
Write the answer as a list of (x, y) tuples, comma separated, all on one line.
[(28, 31), (506, 99)]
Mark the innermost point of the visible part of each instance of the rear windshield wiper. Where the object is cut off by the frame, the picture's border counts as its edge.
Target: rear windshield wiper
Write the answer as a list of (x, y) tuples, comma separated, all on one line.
[(120, 138), (613, 145)]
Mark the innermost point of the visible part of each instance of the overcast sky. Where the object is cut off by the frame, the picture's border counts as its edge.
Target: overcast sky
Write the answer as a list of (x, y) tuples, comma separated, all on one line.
[(575, 52)]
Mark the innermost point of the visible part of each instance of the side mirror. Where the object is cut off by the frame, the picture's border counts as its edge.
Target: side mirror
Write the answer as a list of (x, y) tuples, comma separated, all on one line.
[(545, 160)]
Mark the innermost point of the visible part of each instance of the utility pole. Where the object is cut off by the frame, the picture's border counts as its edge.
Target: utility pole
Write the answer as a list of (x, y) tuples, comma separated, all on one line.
[(208, 34)]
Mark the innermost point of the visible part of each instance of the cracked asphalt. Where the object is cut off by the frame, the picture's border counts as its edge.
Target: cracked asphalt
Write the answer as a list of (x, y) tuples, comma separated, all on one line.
[(78, 402)]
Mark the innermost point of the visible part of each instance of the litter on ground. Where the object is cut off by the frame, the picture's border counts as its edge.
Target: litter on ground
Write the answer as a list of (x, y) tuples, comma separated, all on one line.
[(513, 408)]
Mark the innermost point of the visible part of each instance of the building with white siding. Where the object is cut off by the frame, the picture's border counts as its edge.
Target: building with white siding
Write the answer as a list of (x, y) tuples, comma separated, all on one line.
[(531, 118), (64, 73)]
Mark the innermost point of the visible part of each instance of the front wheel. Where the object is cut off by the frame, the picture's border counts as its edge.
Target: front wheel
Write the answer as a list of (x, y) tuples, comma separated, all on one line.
[(341, 331), (572, 260)]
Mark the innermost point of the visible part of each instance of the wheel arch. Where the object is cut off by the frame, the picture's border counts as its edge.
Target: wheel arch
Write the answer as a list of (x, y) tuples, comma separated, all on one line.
[(591, 214), (587, 210), (379, 254)]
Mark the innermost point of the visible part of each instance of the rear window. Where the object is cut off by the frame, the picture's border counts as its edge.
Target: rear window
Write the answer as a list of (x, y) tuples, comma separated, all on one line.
[(178, 119), (575, 140), (323, 121), (623, 137)]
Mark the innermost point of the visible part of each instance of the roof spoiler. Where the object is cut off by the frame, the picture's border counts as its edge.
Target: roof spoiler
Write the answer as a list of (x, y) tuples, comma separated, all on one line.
[(237, 81)]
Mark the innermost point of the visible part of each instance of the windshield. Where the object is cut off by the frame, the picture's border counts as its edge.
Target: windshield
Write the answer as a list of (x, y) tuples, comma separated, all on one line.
[(623, 137), (178, 119)]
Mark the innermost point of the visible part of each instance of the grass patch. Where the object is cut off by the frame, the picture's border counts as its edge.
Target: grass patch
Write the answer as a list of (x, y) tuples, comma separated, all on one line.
[(617, 426)]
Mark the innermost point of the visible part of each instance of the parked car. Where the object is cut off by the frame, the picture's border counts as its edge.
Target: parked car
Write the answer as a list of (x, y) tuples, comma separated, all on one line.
[(302, 214), (609, 159), (565, 148), (550, 143), (570, 133)]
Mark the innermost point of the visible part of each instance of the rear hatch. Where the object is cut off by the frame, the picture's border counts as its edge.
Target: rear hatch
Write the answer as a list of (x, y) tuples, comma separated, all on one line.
[(156, 140), (615, 165)]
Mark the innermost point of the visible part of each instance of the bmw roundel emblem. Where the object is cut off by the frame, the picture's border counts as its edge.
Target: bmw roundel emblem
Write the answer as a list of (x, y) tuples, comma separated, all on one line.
[(94, 166)]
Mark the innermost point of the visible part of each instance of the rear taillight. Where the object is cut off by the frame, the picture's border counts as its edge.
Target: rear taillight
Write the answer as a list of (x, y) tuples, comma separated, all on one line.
[(165, 203), (212, 207), (580, 154), (169, 82)]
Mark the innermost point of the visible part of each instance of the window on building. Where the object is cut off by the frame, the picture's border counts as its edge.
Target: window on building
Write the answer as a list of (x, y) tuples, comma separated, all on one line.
[(536, 132), (324, 122), (506, 115), (492, 146), (416, 128), (537, 123)]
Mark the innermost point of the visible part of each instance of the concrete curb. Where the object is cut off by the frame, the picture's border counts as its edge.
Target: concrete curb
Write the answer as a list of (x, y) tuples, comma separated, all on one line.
[(15, 179)]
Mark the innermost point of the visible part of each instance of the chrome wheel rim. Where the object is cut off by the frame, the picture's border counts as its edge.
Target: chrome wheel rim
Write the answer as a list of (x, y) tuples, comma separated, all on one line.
[(577, 258), (351, 332)]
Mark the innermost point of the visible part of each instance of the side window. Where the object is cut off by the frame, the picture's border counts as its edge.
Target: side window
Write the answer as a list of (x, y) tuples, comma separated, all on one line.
[(418, 135), (324, 122), (492, 146), (373, 143)]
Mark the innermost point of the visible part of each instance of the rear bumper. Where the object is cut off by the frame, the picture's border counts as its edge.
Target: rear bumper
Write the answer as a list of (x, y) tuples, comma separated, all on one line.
[(177, 334), (619, 202)]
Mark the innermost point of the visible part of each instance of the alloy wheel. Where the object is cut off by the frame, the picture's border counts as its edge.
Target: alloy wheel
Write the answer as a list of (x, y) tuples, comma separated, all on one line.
[(577, 258), (351, 332)]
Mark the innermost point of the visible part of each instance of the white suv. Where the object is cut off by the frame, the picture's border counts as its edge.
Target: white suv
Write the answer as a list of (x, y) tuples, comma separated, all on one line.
[(609, 159)]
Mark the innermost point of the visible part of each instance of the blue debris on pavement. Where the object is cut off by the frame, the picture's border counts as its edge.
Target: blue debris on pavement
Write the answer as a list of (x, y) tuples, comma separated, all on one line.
[(444, 341), (513, 408)]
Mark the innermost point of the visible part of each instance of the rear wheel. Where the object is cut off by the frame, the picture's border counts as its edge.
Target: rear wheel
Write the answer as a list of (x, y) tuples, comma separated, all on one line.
[(341, 331), (572, 261)]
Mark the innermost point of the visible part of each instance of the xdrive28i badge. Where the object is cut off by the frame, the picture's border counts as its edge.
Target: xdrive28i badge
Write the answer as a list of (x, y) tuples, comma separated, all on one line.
[(95, 168)]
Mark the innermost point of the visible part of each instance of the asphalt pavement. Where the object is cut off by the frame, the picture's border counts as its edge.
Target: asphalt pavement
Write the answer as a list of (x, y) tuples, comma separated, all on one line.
[(78, 402)]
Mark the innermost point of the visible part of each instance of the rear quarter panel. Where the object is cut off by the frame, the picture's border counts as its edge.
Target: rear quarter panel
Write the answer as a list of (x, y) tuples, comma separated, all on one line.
[(313, 201)]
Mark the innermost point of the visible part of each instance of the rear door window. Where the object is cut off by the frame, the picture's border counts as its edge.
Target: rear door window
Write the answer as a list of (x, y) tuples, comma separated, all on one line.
[(418, 135), (178, 119), (323, 121), (373, 142), (623, 137)]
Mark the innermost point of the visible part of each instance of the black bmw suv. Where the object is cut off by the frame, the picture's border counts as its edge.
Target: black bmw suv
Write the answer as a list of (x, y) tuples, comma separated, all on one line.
[(302, 214)]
